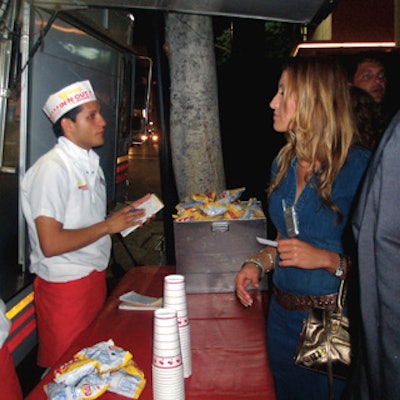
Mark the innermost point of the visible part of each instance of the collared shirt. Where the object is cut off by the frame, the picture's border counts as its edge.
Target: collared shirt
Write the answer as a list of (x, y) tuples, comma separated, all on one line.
[(66, 184), (317, 223)]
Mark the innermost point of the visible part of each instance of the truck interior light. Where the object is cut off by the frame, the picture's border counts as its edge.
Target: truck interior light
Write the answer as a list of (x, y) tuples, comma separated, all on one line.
[(342, 45)]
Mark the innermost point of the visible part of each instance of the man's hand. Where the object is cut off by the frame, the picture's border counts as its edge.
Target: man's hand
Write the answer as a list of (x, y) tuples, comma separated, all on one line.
[(129, 216), (55, 240)]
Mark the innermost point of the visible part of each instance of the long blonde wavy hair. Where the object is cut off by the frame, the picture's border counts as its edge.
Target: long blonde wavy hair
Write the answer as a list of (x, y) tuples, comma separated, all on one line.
[(322, 128)]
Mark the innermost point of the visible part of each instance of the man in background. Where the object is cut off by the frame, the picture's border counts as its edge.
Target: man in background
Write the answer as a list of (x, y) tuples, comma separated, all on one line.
[(370, 75)]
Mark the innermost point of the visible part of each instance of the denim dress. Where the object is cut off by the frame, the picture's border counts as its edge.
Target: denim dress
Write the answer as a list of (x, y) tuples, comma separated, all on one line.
[(318, 226)]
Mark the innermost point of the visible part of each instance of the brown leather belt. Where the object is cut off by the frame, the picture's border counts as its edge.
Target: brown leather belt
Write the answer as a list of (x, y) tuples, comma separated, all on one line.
[(294, 302)]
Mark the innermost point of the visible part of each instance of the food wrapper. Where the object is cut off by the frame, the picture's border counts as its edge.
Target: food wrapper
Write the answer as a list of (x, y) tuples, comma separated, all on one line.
[(108, 356), (235, 211), (230, 196), (203, 197), (92, 386), (95, 370), (58, 391), (213, 209), (209, 206), (73, 371), (253, 210), (128, 381)]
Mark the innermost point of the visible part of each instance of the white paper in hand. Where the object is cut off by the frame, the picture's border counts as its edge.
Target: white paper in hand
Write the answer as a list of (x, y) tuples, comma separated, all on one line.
[(152, 206), (267, 242)]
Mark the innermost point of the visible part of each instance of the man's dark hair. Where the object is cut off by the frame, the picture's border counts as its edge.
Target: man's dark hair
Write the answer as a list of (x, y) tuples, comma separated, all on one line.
[(363, 57), (369, 118), (58, 131)]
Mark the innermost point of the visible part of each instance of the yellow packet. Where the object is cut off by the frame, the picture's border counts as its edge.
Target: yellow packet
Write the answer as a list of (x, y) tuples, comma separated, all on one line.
[(73, 371), (92, 386), (108, 356), (128, 381)]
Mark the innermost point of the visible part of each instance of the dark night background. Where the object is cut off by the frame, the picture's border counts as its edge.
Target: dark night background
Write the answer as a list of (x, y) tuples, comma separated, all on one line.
[(247, 81)]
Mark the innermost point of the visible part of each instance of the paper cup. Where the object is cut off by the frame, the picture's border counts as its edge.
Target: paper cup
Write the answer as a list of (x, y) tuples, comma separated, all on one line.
[(175, 298)]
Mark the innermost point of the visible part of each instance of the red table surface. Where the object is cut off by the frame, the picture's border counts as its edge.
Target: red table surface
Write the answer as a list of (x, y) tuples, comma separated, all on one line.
[(229, 360)]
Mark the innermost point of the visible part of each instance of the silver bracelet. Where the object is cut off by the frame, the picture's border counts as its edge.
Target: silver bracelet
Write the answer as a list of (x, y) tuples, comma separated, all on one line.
[(257, 264), (271, 259)]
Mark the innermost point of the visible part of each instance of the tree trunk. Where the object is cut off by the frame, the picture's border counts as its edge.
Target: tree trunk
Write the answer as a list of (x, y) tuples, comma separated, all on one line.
[(194, 119)]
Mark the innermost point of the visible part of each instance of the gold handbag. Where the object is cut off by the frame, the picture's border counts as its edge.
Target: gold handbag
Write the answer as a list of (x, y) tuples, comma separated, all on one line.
[(324, 344)]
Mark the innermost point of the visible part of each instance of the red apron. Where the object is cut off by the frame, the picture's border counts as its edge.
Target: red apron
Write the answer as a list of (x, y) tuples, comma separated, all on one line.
[(64, 310)]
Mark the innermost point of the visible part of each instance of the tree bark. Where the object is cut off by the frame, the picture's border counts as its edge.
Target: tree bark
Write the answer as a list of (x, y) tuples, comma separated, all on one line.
[(194, 119)]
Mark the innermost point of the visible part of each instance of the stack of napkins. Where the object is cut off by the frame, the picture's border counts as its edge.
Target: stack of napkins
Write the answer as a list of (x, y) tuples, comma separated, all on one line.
[(136, 301)]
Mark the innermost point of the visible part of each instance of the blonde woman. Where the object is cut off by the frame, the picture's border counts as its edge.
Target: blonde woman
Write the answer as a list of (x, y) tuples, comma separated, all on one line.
[(314, 182)]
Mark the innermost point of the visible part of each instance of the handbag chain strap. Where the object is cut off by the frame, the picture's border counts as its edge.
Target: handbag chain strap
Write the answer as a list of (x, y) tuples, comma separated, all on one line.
[(341, 298), (342, 295)]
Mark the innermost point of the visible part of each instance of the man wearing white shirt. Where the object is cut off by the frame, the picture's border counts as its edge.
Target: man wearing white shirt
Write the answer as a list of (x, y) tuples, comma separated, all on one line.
[(63, 198)]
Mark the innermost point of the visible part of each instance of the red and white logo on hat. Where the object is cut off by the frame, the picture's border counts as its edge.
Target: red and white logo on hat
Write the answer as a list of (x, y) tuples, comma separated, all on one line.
[(68, 98)]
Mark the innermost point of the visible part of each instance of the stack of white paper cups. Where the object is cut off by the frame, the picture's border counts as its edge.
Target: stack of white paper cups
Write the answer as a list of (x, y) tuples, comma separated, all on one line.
[(175, 298), (167, 368)]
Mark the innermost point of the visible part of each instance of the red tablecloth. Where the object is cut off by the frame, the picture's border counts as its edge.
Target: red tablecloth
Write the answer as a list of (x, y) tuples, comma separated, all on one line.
[(10, 388), (228, 341)]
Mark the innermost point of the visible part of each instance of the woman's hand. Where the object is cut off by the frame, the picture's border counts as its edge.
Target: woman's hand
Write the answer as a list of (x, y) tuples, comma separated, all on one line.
[(297, 253), (248, 275)]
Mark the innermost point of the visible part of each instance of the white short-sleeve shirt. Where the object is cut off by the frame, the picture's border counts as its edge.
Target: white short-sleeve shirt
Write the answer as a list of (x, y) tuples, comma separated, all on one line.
[(66, 184)]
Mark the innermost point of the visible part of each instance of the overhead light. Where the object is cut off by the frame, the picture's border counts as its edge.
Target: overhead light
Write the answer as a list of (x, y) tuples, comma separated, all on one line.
[(342, 45), (131, 17)]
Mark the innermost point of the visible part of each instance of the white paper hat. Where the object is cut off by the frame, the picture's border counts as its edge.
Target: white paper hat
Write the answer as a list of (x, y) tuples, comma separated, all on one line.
[(68, 98)]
